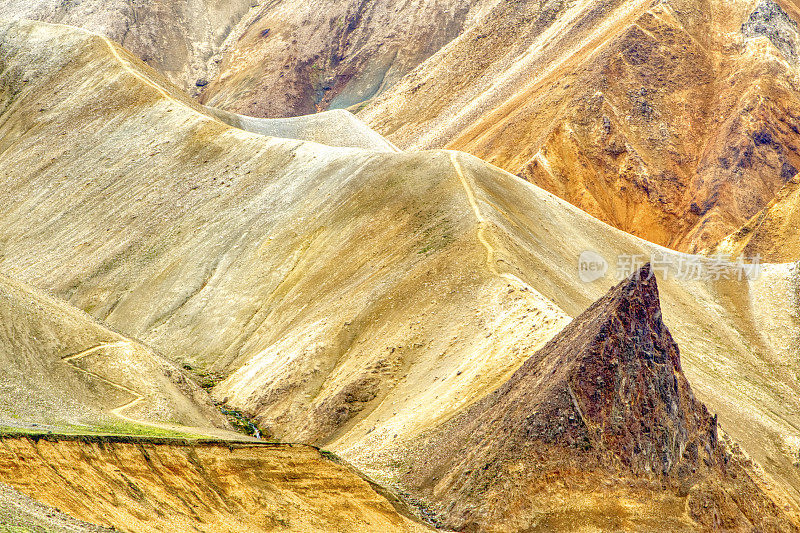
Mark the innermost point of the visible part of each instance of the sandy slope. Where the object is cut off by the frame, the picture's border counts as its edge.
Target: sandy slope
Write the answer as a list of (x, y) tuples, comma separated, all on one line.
[(772, 233), (333, 128), (144, 486), (63, 371), (672, 120), (183, 39), (344, 296)]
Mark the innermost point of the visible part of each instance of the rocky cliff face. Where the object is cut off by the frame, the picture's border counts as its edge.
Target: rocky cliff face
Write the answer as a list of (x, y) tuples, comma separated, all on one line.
[(278, 59), (19, 512), (141, 485), (605, 399), (771, 21)]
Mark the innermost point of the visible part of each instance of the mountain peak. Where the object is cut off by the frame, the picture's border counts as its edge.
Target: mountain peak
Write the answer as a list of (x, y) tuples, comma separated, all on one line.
[(614, 378), (605, 399)]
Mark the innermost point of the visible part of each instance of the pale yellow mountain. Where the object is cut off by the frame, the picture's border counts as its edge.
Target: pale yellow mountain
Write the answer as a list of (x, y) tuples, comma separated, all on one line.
[(673, 120), (333, 128), (348, 297), (63, 371)]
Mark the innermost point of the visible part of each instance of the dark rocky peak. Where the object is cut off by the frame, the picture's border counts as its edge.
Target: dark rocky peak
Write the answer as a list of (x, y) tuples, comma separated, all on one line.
[(610, 383), (606, 391), (605, 397)]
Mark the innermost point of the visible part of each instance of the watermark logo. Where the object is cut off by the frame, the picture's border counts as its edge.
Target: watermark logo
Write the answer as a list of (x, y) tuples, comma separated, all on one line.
[(592, 266)]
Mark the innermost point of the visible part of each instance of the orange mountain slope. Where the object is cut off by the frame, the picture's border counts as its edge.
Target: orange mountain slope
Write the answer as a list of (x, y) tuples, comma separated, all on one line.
[(675, 121)]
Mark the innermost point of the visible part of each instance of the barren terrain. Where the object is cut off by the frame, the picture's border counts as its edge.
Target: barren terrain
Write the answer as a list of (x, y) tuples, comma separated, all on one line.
[(354, 296)]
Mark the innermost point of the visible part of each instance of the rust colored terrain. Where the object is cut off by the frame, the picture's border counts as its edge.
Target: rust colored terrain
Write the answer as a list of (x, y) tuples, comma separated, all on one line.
[(144, 485), (675, 121), (599, 429)]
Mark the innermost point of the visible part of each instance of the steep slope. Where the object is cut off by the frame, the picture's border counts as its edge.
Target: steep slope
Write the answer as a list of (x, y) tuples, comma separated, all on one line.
[(142, 486), (182, 39), (773, 234), (61, 370), (335, 128), (297, 58), (21, 514), (605, 407), (672, 120), (346, 297), (210, 243)]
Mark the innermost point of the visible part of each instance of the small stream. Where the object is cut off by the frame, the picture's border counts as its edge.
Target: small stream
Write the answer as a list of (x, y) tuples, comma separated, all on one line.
[(244, 423)]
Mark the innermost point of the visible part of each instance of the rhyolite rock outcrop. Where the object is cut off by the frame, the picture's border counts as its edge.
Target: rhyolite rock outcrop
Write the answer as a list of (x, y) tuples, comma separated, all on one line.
[(604, 408)]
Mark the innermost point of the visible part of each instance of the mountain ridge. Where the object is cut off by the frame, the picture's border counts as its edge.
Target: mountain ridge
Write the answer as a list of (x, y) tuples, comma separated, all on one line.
[(665, 120), (670, 120), (370, 295)]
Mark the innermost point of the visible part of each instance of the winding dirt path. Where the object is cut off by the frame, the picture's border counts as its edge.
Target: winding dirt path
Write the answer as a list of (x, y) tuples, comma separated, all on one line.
[(483, 224), (137, 397), (104, 346)]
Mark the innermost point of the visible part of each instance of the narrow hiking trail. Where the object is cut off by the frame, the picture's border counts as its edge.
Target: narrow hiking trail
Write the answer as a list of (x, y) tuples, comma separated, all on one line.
[(554, 318), (124, 63), (137, 397), (483, 224), (105, 346)]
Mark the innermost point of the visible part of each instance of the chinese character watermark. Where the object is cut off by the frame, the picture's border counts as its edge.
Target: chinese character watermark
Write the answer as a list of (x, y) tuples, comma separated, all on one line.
[(592, 266)]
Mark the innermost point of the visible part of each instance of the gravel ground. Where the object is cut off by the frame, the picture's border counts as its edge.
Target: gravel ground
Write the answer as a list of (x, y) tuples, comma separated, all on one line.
[(19, 513)]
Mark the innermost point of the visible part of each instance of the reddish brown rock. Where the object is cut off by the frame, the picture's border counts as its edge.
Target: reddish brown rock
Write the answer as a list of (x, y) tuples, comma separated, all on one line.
[(603, 411)]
